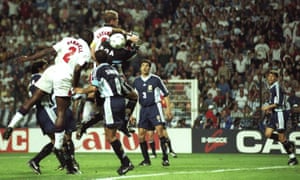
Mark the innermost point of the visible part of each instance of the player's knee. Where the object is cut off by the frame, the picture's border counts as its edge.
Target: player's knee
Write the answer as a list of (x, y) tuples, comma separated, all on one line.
[(141, 138), (23, 110), (59, 127), (268, 134), (281, 138)]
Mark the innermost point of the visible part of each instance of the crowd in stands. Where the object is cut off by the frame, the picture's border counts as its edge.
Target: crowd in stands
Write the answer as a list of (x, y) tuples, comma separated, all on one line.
[(227, 45)]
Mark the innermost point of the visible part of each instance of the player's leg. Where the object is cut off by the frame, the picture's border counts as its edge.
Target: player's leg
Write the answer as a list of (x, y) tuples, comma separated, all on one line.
[(131, 96), (63, 104), (277, 120), (18, 116), (70, 126), (159, 129), (70, 150), (90, 116), (45, 118), (152, 143), (126, 165), (144, 147), (269, 133), (114, 112), (289, 148), (168, 142), (34, 163)]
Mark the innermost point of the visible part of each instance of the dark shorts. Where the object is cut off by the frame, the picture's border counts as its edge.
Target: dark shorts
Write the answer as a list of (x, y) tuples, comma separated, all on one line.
[(47, 116), (150, 117), (114, 112), (278, 120)]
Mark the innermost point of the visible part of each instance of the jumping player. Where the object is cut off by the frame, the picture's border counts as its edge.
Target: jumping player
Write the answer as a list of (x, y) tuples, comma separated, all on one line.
[(71, 56), (108, 82), (45, 114), (278, 116), (117, 57)]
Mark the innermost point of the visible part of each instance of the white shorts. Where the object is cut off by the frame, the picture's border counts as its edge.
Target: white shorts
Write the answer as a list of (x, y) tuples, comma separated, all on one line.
[(56, 79), (90, 109)]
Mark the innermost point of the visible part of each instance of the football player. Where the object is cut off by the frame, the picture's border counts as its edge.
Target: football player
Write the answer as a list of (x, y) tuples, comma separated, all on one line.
[(120, 58), (71, 57), (108, 82), (46, 114), (277, 111)]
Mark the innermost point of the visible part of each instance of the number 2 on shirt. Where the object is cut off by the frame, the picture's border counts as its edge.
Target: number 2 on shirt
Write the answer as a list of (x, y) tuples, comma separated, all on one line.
[(72, 51)]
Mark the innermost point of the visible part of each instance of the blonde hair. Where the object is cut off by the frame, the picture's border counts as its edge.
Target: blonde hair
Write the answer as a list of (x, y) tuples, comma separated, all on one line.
[(110, 15)]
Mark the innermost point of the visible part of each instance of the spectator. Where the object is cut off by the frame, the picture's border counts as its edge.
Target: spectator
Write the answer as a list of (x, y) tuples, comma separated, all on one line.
[(213, 90), (182, 124), (170, 66), (224, 72), (261, 51), (293, 99), (219, 100), (226, 120), (241, 63), (236, 113), (242, 89), (198, 122), (241, 99), (209, 100), (194, 66), (247, 121), (223, 85), (211, 118)]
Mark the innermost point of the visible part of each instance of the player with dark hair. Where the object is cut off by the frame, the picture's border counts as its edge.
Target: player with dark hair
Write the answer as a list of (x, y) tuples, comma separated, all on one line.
[(276, 109), (45, 115), (71, 56), (108, 82), (149, 88), (120, 58)]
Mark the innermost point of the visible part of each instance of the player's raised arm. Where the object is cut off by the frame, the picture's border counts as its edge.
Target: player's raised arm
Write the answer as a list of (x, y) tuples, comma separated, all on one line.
[(86, 90), (37, 55)]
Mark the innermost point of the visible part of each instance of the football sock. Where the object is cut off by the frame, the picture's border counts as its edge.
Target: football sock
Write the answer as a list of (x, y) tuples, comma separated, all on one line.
[(47, 149), (163, 148), (274, 137), (59, 139), (68, 160), (60, 157), (152, 145), (144, 148), (168, 141), (289, 149), (23, 111), (16, 118), (65, 155), (69, 148), (88, 106), (131, 105), (117, 147)]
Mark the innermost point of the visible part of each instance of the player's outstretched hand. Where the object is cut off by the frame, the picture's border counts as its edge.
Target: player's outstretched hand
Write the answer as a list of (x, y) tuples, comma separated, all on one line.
[(133, 38), (7, 133)]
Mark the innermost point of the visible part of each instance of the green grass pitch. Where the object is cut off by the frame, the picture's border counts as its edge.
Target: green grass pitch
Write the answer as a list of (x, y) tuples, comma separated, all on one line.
[(99, 166)]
